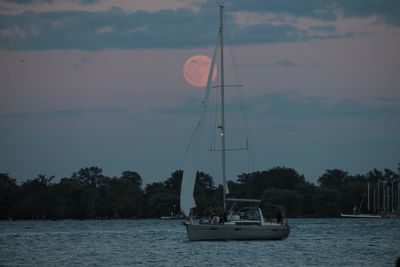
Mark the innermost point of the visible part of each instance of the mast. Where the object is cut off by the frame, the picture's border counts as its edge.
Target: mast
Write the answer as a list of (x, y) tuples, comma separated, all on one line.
[(374, 202), (221, 36), (384, 197), (392, 197), (378, 198), (368, 197), (398, 196)]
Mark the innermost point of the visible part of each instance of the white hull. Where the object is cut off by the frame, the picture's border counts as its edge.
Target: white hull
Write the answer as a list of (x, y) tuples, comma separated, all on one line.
[(197, 232), (359, 216)]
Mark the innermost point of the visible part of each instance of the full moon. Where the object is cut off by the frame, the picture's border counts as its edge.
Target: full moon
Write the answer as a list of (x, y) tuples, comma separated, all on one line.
[(196, 69)]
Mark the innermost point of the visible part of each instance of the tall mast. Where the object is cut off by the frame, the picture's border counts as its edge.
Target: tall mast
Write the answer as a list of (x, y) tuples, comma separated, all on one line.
[(398, 196), (221, 36), (368, 197), (392, 195), (374, 202), (378, 199)]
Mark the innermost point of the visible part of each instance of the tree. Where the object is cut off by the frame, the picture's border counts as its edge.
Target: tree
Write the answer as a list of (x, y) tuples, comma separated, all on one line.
[(333, 178), (125, 196), (8, 189), (157, 200), (291, 199), (278, 177), (132, 177), (375, 175), (37, 198), (173, 183), (88, 193), (327, 202), (89, 176), (70, 193)]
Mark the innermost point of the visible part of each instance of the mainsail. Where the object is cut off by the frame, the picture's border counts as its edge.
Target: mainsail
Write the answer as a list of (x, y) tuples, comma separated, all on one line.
[(190, 170)]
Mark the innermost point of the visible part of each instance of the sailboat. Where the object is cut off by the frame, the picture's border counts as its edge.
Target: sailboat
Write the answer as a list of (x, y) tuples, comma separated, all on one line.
[(244, 220), (356, 213)]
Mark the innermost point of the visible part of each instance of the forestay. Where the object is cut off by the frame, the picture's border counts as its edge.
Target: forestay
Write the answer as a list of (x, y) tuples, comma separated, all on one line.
[(190, 169)]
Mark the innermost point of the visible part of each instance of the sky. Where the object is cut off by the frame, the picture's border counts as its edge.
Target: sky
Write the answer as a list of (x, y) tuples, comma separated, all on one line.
[(99, 83)]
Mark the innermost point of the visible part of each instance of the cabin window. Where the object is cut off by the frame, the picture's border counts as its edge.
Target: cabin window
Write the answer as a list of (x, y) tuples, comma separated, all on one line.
[(246, 214)]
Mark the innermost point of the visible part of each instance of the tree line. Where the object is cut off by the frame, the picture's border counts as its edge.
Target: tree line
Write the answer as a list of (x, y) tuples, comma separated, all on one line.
[(89, 194)]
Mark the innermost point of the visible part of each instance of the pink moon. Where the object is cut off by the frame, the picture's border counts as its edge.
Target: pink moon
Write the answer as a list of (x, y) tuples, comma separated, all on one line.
[(196, 69)]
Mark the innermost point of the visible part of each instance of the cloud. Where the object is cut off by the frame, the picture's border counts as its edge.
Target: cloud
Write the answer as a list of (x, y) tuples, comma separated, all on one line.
[(113, 28), (118, 29), (105, 110), (26, 2), (387, 10), (182, 28), (323, 28), (290, 105), (189, 106), (286, 63), (62, 113), (87, 2), (293, 106)]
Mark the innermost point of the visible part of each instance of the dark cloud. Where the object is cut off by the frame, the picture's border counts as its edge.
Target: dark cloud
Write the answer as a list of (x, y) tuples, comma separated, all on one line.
[(87, 2), (180, 28), (62, 113), (190, 106), (321, 9), (268, 33), (328, 29), (25, 2), (102, 30), (388, 10), (286, 63), (289, 105), (117, 29), (292, 105)]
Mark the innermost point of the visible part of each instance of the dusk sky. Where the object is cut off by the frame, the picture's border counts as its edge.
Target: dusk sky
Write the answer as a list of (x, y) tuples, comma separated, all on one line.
[(99, 83)]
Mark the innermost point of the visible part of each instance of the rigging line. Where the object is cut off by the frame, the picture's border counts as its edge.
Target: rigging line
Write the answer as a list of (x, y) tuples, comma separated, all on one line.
[(213, 139), (205, 100), (215, 127), (194, 145), (242, 102), (230, 47), (212, 123)]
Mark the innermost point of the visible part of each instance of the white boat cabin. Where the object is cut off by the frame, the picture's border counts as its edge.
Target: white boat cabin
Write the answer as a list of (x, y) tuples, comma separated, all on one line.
[(247, 215)]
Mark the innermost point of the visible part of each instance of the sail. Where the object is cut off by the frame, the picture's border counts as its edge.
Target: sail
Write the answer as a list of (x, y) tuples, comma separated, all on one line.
[(190, 169)]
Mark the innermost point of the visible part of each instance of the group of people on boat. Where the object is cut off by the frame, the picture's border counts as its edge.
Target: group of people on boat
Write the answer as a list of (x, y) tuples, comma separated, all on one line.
[(235, 215), (213, 218), (246, 214)]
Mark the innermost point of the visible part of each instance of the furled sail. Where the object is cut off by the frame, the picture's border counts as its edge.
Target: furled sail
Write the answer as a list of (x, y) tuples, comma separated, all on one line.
[(191, 159)]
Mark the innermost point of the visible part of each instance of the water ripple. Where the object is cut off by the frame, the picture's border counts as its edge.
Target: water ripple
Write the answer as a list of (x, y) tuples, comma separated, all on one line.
[(313, 242)]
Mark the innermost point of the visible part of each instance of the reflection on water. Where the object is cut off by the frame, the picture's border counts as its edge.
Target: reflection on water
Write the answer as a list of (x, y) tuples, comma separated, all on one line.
[(319, 242)]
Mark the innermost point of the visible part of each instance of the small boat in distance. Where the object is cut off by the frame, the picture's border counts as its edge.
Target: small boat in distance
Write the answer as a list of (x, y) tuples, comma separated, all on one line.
[(244, 220), (356, 213), (361, 216), (173, 216)]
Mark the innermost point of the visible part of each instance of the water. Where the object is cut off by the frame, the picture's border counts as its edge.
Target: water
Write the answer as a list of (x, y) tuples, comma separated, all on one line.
[(312, 242)]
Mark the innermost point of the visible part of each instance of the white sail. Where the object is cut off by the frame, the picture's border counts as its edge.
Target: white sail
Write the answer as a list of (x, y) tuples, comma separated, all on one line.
[(194, 146)]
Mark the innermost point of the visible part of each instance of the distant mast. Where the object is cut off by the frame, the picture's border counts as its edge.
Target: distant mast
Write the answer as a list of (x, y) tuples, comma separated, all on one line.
[(368, 197)]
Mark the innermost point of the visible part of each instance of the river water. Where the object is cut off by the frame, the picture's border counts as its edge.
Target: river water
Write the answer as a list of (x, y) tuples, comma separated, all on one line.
[(312, 242)]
